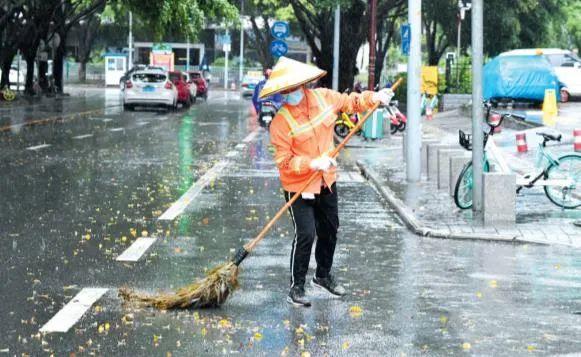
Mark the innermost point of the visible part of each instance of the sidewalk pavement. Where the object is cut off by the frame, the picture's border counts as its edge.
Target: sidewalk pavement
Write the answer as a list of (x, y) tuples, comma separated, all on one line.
[(428, 211)]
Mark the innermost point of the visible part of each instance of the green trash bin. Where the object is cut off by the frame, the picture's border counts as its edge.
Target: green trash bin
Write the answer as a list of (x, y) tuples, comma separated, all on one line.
[(373, 126)]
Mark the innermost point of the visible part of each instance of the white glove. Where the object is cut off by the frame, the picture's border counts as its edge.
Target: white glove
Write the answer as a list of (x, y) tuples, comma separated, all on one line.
[(384, 96), (323, 163)]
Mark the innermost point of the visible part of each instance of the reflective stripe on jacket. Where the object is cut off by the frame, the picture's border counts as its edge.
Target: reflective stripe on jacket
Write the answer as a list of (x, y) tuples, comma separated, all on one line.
[(304, 132)]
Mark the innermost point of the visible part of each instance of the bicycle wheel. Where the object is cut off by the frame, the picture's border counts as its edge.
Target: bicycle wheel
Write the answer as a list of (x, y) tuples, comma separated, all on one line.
[(568, 167), (342, 130), (465, 185)]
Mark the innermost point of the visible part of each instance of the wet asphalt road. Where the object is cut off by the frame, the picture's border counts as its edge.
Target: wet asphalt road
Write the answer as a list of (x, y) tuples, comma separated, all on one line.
[(69, 209)]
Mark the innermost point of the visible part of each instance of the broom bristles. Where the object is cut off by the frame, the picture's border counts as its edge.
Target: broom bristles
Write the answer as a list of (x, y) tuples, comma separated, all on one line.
[(212, 291)]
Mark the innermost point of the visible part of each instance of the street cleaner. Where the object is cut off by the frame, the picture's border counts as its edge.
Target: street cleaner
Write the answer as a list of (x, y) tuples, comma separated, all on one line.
[(302, 135)]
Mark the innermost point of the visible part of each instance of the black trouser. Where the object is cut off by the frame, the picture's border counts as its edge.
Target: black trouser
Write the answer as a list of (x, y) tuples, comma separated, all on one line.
[(317, 217)]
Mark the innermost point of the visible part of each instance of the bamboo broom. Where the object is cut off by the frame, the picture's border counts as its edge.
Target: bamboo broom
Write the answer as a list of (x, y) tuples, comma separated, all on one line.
[(220, 282)]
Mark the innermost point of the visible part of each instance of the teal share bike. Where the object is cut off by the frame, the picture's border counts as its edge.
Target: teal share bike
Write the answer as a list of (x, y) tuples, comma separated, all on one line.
[(560, 176)]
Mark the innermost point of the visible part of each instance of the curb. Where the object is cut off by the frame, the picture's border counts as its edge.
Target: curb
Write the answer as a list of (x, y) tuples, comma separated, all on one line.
[(414, 225)]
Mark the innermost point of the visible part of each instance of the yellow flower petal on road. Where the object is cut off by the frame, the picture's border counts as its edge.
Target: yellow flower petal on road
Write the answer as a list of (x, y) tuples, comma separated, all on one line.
[(493, 283), (479, 294), (355, 311), (345, 345), (466, 346), (305, 354), (531, 348), (258, 336), (144, 233)]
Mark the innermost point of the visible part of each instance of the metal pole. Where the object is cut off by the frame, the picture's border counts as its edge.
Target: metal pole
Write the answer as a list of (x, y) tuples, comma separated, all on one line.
[(226, 67), (336, 42), (130, 42), (240, 70), (414, 130), (458, 52), (477, 114), (188, 55), (372, 32)]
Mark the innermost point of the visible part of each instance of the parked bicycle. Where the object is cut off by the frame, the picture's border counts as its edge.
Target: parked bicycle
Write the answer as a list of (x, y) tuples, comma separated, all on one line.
[(560, 176)]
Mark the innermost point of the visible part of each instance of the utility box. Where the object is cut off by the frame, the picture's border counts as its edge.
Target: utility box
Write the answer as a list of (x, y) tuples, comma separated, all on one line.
[(115, 68)]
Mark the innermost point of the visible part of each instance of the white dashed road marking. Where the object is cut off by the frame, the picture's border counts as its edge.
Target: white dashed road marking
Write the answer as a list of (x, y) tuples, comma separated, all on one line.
[(78, 137), (73, 310), (117, 129), (183, 202), (136, 250), (37, 147)]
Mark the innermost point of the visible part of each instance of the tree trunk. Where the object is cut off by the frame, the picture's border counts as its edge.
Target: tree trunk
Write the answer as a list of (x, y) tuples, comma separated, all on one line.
[(6, 63), (58, 61), (29, 85), (83, 71)]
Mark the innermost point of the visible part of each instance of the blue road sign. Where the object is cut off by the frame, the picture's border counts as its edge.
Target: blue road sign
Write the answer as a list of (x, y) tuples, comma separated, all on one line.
[(280, 30), (405, 39), (278, 48)]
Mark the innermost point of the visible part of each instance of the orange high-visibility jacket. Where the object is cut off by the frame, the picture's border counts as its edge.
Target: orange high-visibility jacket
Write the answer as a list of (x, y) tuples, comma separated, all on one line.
[(304, 132)]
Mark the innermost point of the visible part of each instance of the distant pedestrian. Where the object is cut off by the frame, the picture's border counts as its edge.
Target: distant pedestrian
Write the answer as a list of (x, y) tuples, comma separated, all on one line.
[(302, 135)]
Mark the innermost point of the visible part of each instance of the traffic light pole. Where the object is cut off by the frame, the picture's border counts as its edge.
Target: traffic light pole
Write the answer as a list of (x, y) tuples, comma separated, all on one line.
[(477, 113)]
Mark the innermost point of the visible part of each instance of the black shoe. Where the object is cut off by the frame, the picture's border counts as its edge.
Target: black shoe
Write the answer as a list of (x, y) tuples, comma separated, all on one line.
[(329, 285), (297, 297)]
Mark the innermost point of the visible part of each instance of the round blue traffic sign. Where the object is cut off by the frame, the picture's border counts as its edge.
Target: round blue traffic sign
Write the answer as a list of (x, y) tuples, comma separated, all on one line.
[(280, 30), (278, 48)]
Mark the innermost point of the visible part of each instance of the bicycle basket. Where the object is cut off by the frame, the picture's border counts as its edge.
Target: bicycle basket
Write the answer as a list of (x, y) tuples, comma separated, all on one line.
[(465, 140)]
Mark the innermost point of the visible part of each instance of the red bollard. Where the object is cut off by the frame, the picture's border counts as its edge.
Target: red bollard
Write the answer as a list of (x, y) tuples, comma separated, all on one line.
[(521, 142), (494, 120), (577, 140)]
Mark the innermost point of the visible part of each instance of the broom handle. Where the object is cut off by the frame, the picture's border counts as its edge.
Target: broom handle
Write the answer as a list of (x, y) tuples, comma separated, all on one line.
[(317, 174)]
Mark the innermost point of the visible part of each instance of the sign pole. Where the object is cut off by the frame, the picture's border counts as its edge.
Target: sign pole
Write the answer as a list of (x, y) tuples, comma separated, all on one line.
[(372, 33), (130, 40)]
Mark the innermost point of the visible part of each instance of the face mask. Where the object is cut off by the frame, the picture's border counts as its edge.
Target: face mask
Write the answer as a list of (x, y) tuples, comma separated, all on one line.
[(293, 98)]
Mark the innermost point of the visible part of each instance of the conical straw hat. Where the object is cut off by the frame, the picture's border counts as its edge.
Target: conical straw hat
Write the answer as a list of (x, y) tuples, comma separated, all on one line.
[(288, 73)]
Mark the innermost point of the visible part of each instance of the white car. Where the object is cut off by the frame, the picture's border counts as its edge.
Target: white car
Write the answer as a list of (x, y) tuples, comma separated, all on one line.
[(566, 64), (150, 88)]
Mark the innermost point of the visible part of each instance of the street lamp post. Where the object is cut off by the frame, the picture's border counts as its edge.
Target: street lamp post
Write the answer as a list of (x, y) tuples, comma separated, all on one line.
[(336, 44), (477, 113), (413, 135)]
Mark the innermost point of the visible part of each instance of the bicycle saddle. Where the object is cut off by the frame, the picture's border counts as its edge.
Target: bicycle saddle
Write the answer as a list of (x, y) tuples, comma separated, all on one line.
[(550, 137)]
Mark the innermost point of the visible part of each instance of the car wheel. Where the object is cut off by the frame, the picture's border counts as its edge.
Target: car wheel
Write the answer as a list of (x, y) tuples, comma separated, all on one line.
[(128, 107)]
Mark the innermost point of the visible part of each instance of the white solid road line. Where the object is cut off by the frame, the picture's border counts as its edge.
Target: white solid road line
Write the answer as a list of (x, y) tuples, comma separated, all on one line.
[(136, 250), (180, 205), (78, 137), (116, 129), (37, 147), (73, 310)]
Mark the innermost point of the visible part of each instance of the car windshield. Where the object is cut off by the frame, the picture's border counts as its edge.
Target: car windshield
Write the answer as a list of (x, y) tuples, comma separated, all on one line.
[(149, 77)]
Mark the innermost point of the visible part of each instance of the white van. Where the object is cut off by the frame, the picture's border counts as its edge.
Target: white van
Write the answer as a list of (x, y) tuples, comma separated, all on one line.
[(566, 64)]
